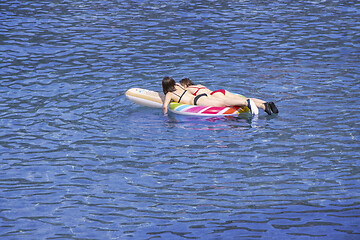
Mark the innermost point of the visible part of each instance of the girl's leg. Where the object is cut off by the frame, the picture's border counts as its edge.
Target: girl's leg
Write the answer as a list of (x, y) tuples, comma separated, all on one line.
[(231, 99), (239, 100), (210, 101), (236, 101), (259, 103)]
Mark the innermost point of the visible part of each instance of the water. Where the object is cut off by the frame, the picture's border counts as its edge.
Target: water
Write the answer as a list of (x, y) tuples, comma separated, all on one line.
[(80, 161)]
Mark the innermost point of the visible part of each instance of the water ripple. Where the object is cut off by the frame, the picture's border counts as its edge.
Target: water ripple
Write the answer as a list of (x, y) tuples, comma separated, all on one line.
[(79, 160)]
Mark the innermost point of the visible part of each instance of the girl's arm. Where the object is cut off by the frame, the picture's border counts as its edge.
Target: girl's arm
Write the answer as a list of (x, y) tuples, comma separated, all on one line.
[(166, 103)]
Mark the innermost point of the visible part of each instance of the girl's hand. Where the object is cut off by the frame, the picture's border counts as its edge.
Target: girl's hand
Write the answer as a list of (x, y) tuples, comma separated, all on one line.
[(166, 102)]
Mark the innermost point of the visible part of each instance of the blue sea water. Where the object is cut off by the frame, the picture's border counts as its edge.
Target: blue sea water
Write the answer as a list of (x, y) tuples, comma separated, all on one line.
[(80, 161)]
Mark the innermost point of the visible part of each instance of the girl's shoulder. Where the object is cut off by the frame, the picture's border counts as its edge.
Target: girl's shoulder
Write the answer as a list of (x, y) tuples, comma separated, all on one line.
[(199, 86), (195, 86), (179, 87)]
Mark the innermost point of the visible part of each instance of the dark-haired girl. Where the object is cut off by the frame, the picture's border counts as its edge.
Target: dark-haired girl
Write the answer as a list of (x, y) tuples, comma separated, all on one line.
[(176, 92)]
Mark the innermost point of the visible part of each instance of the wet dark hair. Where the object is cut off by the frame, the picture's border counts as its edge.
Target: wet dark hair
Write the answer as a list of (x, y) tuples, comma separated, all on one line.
[(168, 85), (186, 81)]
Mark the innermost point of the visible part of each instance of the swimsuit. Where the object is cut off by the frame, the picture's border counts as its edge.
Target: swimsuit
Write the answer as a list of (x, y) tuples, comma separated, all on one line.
[(198, 89), (220, 90), (199, 96), (181, 94)]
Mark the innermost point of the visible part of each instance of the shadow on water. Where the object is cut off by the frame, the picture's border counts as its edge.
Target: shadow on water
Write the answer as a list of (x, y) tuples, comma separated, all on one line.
[(139, 117), (240, 122), (154, 118)]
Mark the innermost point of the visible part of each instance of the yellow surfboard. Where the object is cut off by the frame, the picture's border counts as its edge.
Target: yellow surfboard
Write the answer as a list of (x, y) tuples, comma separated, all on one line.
[(145, 97)]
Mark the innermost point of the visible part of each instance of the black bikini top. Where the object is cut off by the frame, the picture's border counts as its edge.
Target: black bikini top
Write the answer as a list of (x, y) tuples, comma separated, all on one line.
[(181, 94)]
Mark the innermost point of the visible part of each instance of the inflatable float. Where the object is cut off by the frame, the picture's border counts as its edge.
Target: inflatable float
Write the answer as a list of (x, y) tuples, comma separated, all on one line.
[(154, 99)]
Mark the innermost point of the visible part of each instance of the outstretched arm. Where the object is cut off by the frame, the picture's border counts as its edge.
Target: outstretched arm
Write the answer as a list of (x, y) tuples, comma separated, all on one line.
[(166, 103)]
